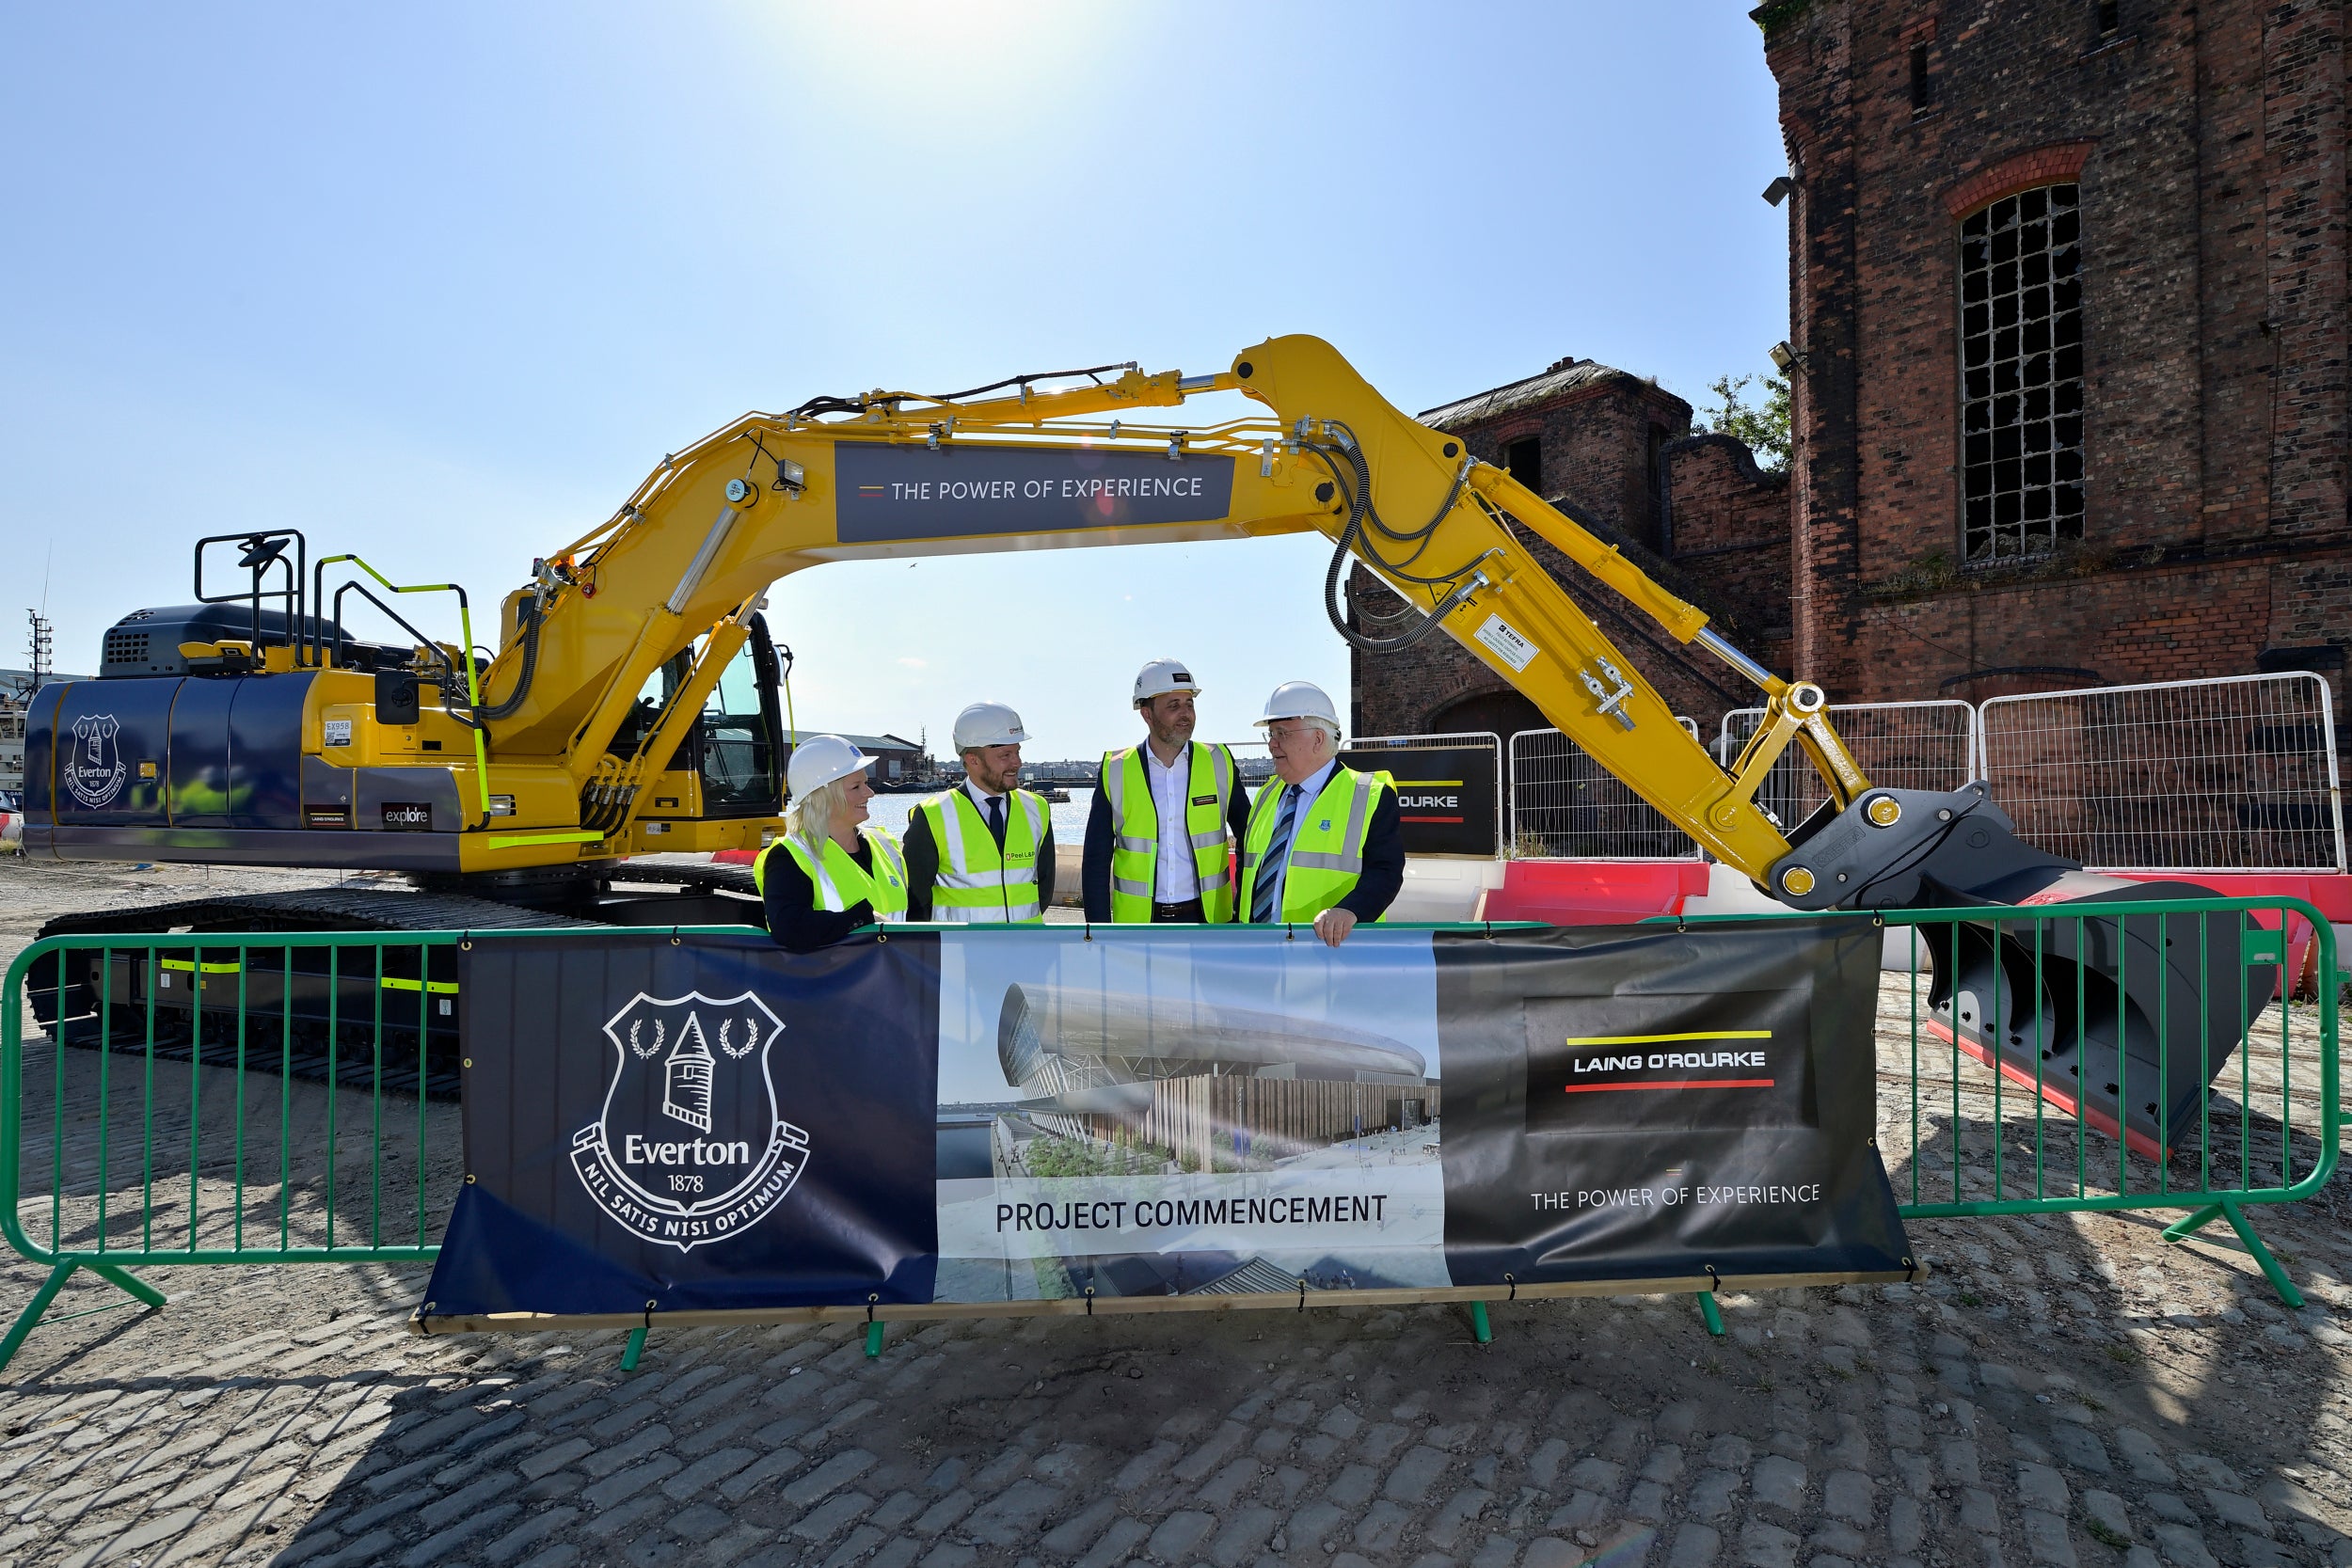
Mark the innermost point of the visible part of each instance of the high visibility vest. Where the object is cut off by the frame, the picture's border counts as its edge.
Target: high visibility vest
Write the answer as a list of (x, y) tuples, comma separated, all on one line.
[(1136, 832), (1327, 842), (978, 883), (840, 882)]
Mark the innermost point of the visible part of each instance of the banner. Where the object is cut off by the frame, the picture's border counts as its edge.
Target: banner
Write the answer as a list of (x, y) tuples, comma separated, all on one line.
[(1445, 794), (1020, 1114)]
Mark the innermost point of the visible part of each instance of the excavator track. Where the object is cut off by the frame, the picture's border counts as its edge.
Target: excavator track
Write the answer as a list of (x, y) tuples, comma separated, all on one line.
[(703, 878), (324, 908), (382, 1020)]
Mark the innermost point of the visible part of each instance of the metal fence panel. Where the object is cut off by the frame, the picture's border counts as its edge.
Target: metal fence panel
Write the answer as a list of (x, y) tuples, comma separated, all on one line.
[(2236, 773), (249, 1097), (1969, 1131), (152, 1126), (1564, 805), (1930, 745)]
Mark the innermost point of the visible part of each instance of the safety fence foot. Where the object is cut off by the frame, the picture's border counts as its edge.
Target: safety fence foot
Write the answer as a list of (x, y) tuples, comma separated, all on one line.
[(113, 1274), (2271, 1271), (33, 1309), (1712, 1314), (2225, 1210), (58, 1273), (1479, 1325), (632, 1350), (874, 1338)]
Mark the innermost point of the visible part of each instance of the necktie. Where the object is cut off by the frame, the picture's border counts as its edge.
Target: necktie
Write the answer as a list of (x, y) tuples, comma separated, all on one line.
[(1270, 865), (996, 818)]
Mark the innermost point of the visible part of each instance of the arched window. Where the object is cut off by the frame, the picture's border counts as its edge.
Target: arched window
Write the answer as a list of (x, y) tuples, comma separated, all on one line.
[(2021, 361)]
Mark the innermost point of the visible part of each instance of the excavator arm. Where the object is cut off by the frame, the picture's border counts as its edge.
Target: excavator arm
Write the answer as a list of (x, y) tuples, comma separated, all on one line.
[(687, 559)]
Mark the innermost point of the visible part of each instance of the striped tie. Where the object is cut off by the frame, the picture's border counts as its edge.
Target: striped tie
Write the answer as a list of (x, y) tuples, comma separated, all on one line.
[(1270, 865)]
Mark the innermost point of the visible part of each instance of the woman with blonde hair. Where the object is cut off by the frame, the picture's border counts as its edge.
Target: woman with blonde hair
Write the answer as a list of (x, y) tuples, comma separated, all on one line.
[(838, 872)]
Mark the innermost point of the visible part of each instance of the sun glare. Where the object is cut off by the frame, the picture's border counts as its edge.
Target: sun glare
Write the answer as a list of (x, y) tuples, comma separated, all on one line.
[(996, 57)]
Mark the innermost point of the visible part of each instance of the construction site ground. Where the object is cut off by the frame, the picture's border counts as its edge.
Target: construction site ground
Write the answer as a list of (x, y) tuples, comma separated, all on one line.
[(2065, 1389)]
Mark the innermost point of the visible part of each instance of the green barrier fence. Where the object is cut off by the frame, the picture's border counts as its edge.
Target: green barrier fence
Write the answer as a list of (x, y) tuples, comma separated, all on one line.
[(164, 1117), (1980, 1132)]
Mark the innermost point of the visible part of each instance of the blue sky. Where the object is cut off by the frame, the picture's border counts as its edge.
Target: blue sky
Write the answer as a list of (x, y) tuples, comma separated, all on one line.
[(439, 284)]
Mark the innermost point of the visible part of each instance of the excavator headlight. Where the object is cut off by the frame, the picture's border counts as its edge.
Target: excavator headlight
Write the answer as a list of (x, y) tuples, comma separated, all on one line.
[(790, 476)]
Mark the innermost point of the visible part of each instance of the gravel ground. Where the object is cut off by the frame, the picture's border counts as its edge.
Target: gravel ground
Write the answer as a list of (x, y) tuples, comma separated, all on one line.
[(2062, 1389)]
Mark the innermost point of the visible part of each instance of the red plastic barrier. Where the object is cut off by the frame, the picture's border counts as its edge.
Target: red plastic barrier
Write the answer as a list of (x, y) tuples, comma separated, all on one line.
[(733, 857), (1592, 893)]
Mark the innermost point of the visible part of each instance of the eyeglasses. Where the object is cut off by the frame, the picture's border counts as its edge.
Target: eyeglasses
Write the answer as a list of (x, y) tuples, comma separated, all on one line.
[(1291, 732)]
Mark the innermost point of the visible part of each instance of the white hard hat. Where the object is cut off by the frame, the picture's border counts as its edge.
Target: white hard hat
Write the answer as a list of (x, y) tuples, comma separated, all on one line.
[(819, 760), (1298, 700), (988, 724), (1162, 677)]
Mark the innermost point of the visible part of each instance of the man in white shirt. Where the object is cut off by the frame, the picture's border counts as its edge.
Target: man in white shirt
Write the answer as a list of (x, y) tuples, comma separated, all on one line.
[(1168, 814)]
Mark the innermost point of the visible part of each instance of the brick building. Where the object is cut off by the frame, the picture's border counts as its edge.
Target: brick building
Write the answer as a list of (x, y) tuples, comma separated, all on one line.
[(2068, 279), (1615, 453), (2069, 292)]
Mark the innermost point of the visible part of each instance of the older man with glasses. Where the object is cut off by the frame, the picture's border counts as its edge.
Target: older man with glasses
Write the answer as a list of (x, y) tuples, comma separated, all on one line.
[(1325, 843)]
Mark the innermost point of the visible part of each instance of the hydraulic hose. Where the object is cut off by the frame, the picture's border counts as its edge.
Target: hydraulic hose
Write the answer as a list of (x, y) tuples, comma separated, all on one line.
[(1359, 509), (1420, 630), (531, 618)]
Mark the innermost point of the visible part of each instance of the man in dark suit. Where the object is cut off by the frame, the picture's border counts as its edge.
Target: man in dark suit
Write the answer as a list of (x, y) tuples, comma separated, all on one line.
[(1324, 842)]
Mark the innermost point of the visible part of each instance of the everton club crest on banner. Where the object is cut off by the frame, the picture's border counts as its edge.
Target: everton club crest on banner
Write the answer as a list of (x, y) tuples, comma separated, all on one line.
[(691, 1146), (704, 1123)]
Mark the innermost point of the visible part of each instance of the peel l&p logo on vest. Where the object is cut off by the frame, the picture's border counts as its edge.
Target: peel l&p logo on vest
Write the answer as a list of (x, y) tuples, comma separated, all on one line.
[(92, 772), (691, 1148)]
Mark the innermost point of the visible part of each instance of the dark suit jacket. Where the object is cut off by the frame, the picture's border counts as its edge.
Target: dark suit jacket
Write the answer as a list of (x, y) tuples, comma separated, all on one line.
[(790, 900), (1384, 861)]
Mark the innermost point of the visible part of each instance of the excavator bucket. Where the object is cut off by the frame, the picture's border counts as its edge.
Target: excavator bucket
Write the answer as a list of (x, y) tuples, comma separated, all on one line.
[(2122, 1020)]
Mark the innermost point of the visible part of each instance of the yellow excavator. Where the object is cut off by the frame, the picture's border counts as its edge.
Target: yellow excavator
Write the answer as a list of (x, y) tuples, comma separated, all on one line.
[(630, 705)]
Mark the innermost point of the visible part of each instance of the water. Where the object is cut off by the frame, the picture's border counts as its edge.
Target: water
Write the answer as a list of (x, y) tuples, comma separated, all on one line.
[(1070, 817)]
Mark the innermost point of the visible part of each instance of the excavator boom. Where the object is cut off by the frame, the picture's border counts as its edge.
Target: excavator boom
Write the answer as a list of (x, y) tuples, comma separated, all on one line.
[(895, 475)]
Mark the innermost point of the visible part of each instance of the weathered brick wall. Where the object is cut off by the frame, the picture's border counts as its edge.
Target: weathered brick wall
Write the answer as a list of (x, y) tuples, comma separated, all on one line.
[(1730, 520), (2210, 147), (1730, 534), (1596, 447)]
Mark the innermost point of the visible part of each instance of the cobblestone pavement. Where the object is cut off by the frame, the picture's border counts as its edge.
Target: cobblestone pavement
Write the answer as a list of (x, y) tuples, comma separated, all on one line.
[(2063, 1391)]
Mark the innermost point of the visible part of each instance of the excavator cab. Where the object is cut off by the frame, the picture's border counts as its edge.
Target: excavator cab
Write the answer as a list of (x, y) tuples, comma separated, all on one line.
[(731, 762)]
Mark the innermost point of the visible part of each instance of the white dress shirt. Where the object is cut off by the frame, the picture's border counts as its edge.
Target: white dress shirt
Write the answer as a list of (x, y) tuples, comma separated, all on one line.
[(980, 797), (1177, 877)]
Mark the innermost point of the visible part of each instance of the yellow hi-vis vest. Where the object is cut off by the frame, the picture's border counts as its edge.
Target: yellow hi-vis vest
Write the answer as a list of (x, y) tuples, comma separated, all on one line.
[(1327, 842), (976, 883), (840, 882), (1136, 832)]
